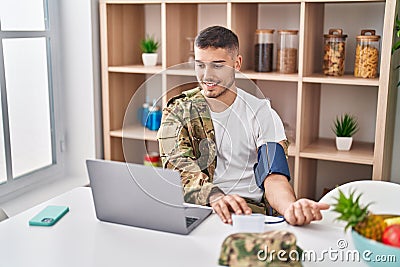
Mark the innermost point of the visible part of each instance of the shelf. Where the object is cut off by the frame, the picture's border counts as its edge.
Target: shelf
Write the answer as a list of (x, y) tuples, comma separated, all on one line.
[(194, 1), (266, 1), (189, 71), (135, 132), (140, 133), (247, 74), (184, 69), (132, 1), (343, 1), (268, 76), (135, 69), (325, 149), (347, 79)]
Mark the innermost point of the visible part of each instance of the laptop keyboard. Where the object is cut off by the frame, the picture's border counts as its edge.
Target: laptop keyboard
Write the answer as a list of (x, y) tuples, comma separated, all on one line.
[(190, 221)]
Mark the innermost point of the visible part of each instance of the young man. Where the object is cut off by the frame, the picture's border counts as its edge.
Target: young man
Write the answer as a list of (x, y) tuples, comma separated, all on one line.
[(228, 145)]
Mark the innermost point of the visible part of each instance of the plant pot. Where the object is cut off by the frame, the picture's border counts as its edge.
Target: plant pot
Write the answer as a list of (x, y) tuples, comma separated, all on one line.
[(149, 59), (344, 143)]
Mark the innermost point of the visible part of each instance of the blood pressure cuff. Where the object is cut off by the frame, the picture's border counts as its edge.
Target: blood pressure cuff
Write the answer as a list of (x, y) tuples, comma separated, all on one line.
[(271, 159)]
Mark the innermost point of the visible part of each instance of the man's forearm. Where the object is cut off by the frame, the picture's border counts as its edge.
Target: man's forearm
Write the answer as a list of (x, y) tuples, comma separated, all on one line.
[(279, 192)]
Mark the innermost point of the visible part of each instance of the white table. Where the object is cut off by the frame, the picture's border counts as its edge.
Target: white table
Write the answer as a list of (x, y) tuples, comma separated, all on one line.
[(79, 239)]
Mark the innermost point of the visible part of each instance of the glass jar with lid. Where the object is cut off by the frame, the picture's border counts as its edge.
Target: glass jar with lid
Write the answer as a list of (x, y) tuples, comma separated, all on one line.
[(334, 52), (286, 61), (264, 49), (367, 55)]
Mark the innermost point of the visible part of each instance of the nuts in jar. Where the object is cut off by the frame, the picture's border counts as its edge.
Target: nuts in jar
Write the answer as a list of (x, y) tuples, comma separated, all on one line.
[(334, 52)]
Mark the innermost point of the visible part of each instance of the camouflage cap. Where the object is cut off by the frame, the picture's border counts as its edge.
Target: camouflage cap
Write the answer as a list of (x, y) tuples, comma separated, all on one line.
[(272, 249)]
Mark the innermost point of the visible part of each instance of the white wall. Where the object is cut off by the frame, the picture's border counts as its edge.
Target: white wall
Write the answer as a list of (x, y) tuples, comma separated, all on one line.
[(211, 14), (78, 83)]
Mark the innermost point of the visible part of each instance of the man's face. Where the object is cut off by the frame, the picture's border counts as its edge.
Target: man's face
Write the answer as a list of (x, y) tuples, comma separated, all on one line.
[(215, 70)]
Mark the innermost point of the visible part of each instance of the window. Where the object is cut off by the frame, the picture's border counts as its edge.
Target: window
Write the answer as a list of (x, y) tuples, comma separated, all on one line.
[(28, 132)]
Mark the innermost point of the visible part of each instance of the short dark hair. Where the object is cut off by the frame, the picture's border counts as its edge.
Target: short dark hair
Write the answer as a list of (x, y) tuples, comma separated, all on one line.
[(217, 37)]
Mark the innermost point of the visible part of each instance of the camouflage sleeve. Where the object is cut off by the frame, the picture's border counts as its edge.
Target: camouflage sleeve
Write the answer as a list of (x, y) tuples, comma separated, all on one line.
[(177, 153)]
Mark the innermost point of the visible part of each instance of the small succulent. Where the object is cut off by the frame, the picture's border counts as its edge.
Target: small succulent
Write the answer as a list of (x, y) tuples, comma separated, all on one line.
[(149, 45), (345, 126)]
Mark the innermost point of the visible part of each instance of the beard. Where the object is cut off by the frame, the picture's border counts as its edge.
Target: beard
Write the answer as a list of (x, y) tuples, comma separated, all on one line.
[(215, 93), (219, 89)]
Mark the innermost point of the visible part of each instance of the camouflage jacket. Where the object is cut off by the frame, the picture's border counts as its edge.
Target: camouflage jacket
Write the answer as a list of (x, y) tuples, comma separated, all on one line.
[(187, 143)]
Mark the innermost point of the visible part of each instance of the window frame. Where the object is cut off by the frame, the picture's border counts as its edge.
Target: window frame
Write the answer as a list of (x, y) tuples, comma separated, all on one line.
[(56, 169)]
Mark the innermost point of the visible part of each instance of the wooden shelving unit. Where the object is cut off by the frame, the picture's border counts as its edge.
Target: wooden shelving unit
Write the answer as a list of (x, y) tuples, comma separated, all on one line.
[(135, 132), (324, 149), (135, 69), (347, 79), (272, 76), (296, 97)]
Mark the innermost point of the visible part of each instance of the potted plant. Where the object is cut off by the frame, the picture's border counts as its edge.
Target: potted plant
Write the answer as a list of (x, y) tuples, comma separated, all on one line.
[(344, 128), (149, 48)]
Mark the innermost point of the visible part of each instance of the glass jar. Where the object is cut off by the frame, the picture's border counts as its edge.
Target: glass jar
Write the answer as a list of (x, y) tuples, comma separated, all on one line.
[(191, 49), (286, 61), (334, 52), (367, 55), (264, 49), (143, 113)]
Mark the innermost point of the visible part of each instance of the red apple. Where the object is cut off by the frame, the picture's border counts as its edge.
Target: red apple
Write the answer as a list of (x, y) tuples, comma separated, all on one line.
[(391, 235)]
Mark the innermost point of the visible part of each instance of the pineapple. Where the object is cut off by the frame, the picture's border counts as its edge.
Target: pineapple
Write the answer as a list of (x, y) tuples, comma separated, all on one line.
[(358, 217)]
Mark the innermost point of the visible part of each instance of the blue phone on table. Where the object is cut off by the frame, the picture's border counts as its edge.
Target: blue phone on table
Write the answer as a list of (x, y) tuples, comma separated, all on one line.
[(49, 216)]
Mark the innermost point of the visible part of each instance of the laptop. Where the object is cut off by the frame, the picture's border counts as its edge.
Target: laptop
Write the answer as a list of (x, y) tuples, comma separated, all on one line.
[(142, 196)]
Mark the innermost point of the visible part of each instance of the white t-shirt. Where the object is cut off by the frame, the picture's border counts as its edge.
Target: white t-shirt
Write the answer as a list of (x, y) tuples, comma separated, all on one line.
[(239, 130)]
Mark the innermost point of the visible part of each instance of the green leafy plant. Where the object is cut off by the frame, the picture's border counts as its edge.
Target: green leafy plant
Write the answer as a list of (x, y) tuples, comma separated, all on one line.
[(345, 126), (396, 45), (149, 45)]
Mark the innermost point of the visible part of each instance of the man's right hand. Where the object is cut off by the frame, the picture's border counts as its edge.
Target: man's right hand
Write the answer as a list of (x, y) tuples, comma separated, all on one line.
[(223, 205)]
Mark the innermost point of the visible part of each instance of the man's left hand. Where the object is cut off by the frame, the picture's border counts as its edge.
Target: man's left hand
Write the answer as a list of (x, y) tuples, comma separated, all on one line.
[(304, 211)]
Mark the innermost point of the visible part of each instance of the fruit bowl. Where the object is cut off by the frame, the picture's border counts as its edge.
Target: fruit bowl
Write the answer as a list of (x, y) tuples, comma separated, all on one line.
[(375, 253)]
